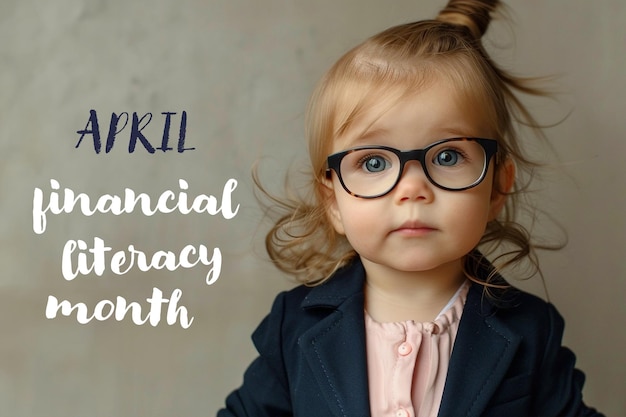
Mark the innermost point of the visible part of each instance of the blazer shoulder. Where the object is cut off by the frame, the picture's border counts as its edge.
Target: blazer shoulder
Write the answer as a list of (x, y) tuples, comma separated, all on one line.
[(526, 308), (299, 309), (514, 314), (286, 308)]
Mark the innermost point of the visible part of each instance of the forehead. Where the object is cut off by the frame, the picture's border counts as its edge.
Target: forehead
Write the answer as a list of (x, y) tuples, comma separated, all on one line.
[(437, 104)]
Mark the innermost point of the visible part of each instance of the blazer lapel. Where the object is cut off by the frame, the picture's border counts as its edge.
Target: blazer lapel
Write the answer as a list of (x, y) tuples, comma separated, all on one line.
[(482, 353), (335, 346)]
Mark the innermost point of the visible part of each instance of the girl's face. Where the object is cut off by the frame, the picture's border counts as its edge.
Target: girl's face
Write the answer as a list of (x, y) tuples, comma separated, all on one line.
[(416, 227)]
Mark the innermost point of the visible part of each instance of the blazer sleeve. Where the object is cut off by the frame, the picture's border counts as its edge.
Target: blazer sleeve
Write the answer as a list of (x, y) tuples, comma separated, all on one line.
[(265, 391), (559, 385)]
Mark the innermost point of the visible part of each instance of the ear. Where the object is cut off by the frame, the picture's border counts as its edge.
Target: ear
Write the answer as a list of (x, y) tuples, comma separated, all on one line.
[(502, 186), (327, 190)]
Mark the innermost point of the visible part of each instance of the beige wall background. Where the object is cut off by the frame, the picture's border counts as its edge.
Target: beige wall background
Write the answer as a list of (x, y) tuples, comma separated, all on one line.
[(242, 70)]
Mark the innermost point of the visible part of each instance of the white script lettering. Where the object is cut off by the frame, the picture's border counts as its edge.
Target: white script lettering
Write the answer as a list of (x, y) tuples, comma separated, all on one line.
[(79, 259), (167, 202), (106, 309)]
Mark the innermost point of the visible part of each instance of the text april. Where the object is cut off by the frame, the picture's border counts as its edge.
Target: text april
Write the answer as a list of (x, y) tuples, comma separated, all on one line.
[(117, 123)]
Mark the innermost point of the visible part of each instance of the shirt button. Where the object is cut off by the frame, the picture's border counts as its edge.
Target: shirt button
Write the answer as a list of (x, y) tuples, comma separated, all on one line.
[(404, 349), (402, 413)]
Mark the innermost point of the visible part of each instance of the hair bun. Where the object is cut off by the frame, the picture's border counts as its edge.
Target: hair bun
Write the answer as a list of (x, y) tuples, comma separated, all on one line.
[(473, 14)]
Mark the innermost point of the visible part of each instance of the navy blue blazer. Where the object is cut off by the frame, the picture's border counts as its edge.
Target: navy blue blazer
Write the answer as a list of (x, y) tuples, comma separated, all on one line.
[(507, 359)]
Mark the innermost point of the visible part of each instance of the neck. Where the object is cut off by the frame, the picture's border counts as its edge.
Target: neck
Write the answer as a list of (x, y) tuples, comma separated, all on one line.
[(392, 296)]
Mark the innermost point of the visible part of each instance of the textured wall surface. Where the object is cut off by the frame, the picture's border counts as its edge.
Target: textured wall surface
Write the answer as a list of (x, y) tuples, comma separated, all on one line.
[(242, 71)]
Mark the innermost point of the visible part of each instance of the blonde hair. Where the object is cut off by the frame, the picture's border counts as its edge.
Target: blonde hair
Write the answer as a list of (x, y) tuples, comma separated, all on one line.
[(303, 242)]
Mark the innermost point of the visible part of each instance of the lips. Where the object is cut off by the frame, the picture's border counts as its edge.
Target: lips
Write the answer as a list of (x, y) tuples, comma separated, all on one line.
[(414, 228)]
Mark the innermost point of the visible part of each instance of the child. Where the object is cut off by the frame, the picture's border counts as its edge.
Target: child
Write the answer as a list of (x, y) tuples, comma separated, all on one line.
[(414, 155)]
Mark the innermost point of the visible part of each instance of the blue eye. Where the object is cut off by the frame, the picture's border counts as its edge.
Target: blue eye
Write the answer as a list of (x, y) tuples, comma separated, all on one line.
[(374, 163), (448, 158)]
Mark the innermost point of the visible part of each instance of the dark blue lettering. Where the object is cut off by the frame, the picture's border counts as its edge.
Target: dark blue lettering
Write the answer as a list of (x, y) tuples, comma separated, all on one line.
[(94, 131), (135, 133), (113, 130)]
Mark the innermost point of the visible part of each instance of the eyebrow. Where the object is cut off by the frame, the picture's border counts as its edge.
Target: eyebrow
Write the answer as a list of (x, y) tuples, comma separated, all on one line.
[(448, 133), (371, 133)]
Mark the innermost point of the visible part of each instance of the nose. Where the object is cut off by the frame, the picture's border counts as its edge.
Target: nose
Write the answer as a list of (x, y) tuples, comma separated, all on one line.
[(413, 184)]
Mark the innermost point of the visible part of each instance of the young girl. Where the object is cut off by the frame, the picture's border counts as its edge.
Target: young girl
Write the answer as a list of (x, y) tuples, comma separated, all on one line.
[(414, 156)]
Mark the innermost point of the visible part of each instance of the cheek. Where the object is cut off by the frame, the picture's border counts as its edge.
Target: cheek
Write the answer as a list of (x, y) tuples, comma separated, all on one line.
[(471, 212), (358, 217)]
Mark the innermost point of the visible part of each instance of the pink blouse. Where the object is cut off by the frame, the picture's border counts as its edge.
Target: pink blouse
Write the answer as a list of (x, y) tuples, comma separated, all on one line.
[(407, 361)]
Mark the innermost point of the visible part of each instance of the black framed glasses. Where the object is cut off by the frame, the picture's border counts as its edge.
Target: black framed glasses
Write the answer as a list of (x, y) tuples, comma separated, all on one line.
[(455, 164)]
